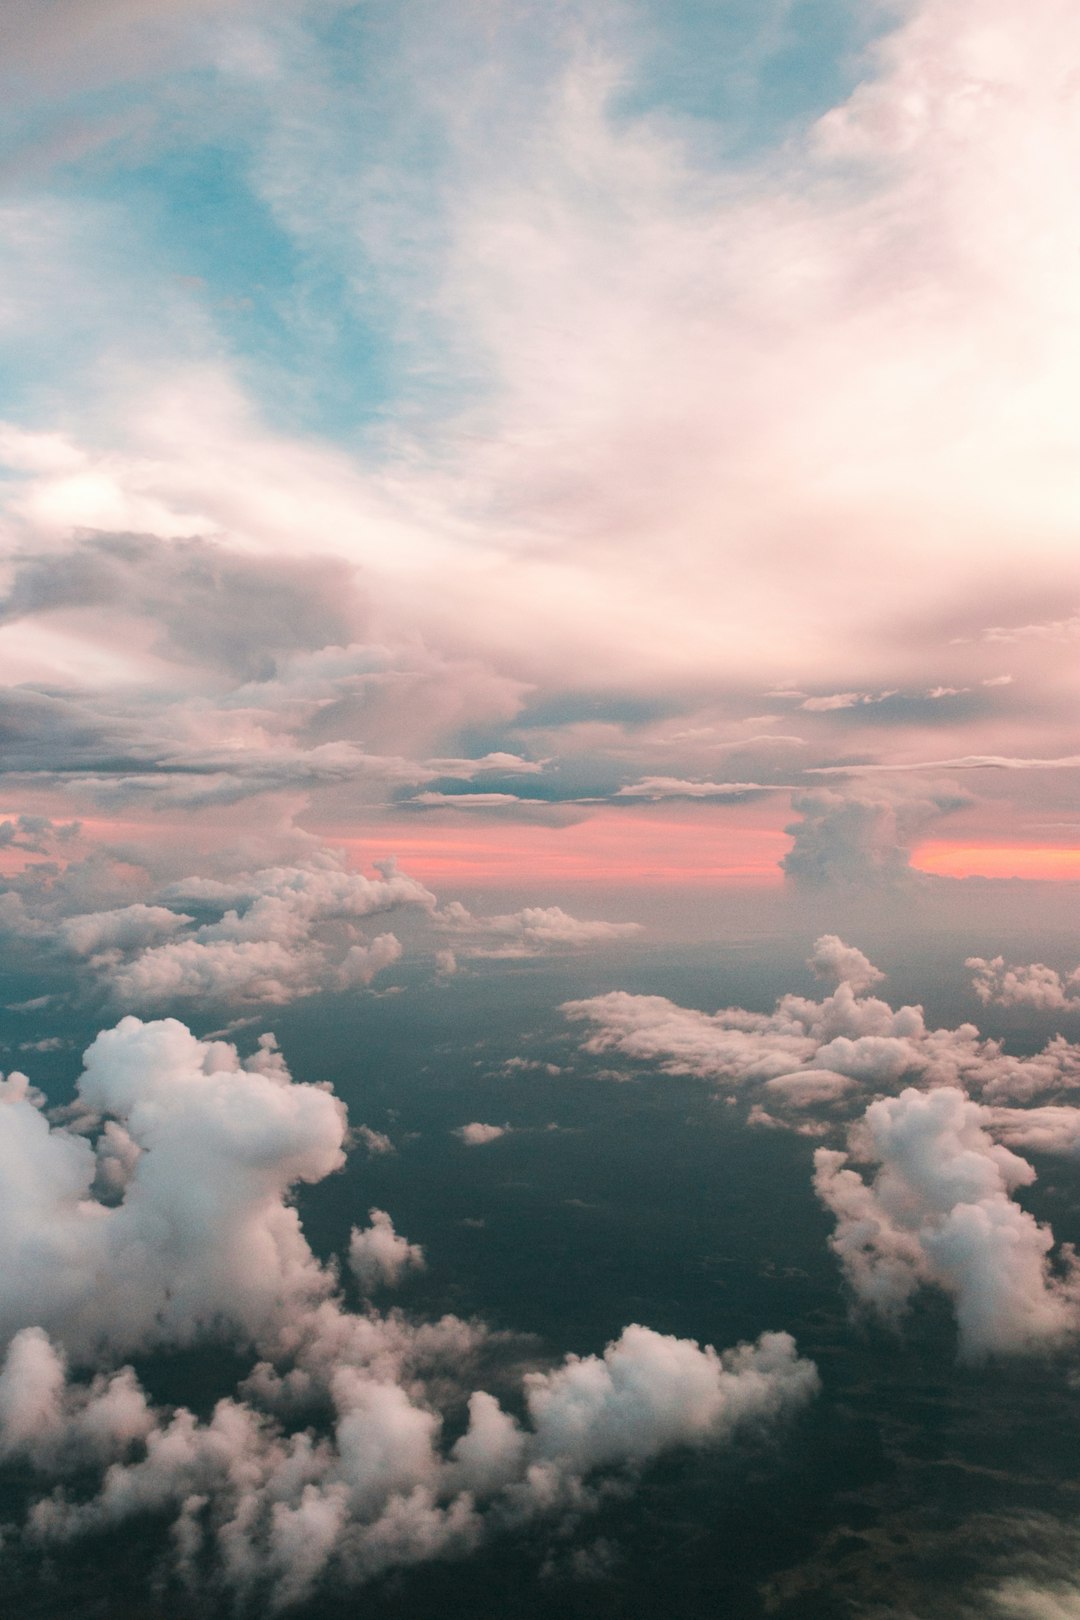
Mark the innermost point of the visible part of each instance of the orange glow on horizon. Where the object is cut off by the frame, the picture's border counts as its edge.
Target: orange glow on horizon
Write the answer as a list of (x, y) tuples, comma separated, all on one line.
[(1045, 862), (612, 848)]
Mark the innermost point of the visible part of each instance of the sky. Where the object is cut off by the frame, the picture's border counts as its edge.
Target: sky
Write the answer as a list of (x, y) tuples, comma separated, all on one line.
[(509, 511)]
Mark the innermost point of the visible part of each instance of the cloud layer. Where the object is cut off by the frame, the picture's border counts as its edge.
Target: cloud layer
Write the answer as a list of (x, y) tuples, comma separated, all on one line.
[(938, 1113), (158, 1212)]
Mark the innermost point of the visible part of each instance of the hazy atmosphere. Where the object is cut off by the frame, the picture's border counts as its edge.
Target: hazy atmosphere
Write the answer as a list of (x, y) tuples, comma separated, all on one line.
[(539, 831)]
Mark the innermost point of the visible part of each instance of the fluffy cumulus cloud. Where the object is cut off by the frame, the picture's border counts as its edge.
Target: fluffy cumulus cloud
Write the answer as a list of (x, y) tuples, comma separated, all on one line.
[(158, 1211), (846, 964), (201, 1232), (940, 1113), (939, 1210), (379, 1257), (848, 1034), (861, 837), (1032, 985), (268, 935)]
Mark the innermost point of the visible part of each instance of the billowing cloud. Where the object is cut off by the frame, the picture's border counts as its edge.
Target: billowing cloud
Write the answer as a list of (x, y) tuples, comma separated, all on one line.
[(937, 1112), (1034, 985), (845, 964), (940, 1212), (860, 838), (848, 1034), (192, 1235), (379, 1257)]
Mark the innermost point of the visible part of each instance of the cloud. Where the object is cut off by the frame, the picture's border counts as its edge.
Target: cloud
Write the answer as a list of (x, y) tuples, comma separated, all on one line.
[(804, 1088), (202, 1233), (376, 1142), (651, 1391), (206, 602), (378, 1256), (533, 931), (804, 1045), (940, 1212), (495, 550), (844, 964), (465, 801), (1050, 630), (671, 787), (1034, 985), (966, 762), (284, 932), (330, 1459), (477, 1134), (121, 929), (861, 839)]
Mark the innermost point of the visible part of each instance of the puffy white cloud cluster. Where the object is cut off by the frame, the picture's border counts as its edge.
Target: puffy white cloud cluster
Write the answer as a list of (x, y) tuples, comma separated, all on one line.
[(849, 1035), (533, 931), (203, 1150), (158, 1211), (1032, 985), (285, 932), (266, 936), (98, 934), (939, 1210), (281, 932)]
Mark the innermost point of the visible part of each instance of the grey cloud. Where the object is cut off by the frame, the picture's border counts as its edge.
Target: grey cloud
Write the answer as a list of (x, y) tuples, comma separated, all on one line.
[(672, 787), (533, 931), (1033, 985), (209, 604), (860, 837)]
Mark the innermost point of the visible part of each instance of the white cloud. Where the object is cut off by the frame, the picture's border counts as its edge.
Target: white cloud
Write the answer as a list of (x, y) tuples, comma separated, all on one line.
[(848, 1033), (202, 1232), (940, 1212), (376, 1142), (862, 838), (379, 1257), (845, 964), (806, 1087), (1034, 985), (199, 1238), (124, 928), (477, 1134)]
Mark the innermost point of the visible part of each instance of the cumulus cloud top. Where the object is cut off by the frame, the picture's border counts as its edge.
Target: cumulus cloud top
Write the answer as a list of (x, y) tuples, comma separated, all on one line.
[(202, 1232), (939, 1210), (379, 1257), (1034, 985), (159, 1211), (940, 1113), (849, 1033)]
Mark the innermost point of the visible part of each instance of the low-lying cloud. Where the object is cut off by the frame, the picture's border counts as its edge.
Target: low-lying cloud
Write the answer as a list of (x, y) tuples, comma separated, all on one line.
[(158, 1211)]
